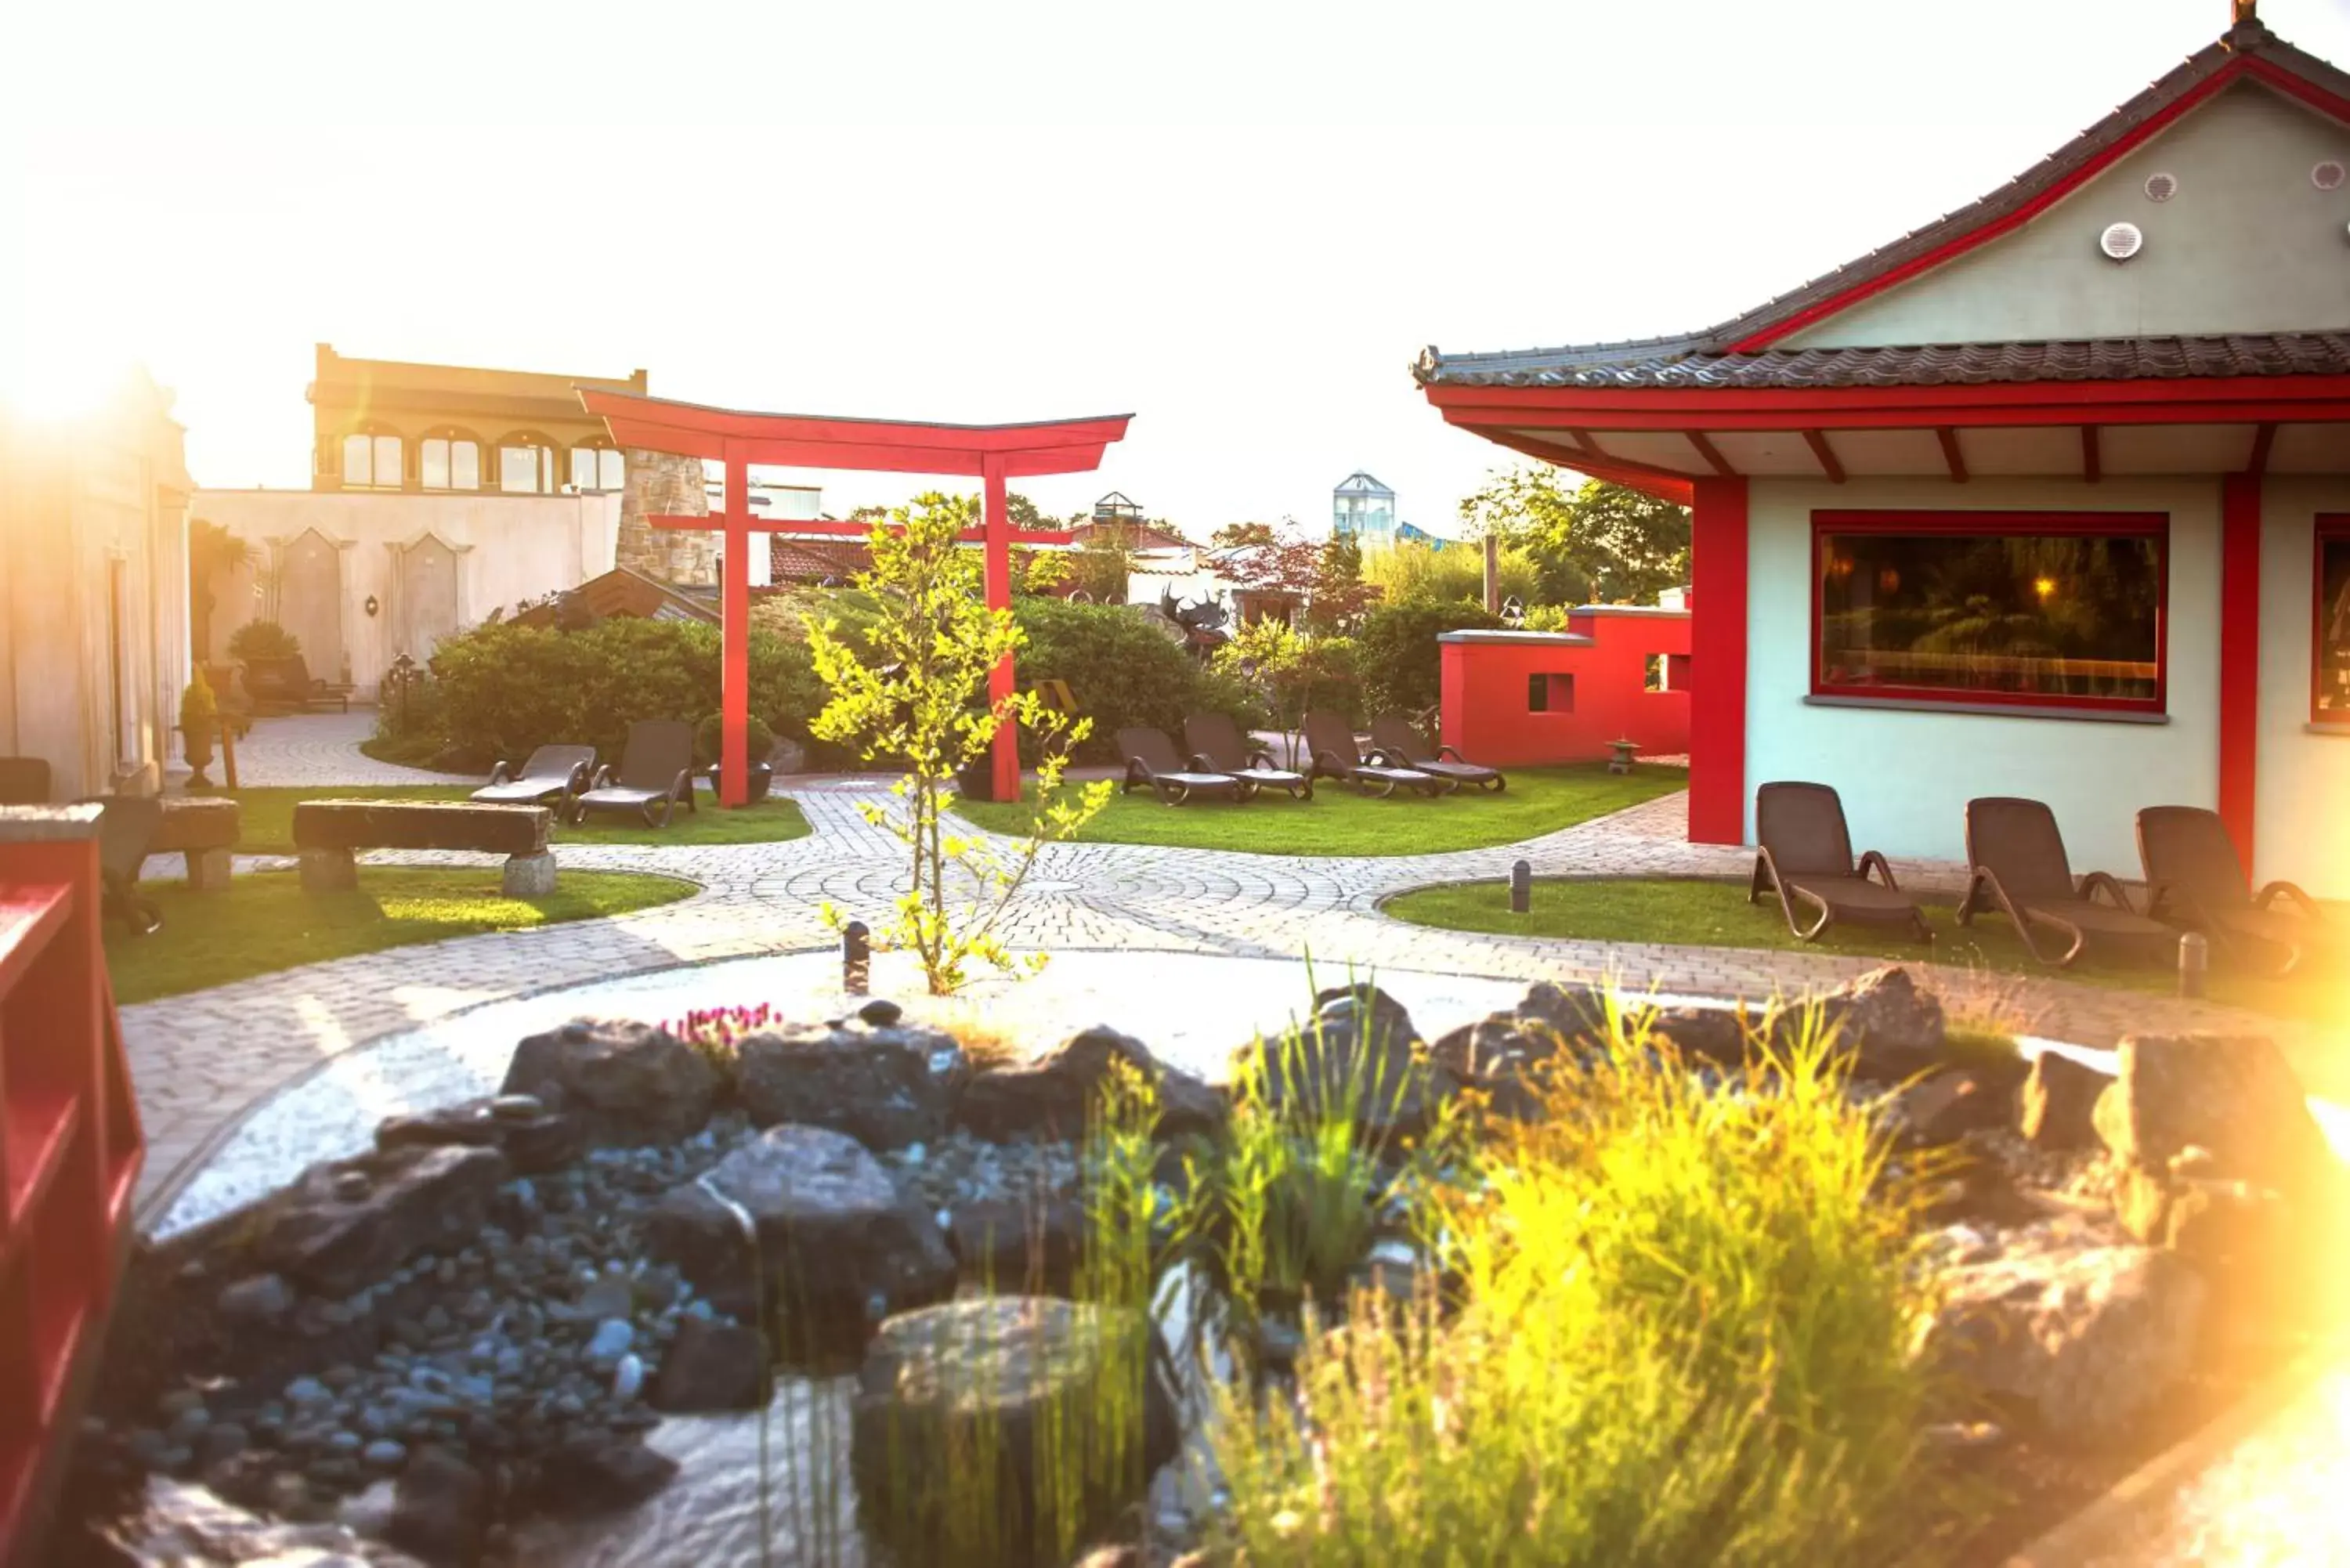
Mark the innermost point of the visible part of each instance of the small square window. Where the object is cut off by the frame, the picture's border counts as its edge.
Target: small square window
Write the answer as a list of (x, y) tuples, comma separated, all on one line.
[(1550, 693), (1655, 677)]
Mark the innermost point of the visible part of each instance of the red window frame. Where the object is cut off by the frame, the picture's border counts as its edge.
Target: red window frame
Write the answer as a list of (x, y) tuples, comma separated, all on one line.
[(2086, 525), (2332, 527)]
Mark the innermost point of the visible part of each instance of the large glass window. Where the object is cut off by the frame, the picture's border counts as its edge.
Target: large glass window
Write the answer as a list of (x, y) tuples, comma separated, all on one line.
[(596, 468), (371, 461), (2329, 698), (449, 463), (2026, 609), (526, 467)]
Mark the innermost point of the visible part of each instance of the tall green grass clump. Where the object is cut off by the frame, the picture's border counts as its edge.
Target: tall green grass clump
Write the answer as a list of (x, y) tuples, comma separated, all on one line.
[(1678, 1332)]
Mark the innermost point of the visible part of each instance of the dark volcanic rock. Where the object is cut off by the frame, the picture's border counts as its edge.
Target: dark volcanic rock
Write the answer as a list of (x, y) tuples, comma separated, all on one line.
[(600, 1472), (1010, 1377), (1052, 1096), (1891, 1027), (1359, 1049), (345, 1224), (880, 1086), (2059, 1102), (842, 1248), (2235, 1097), (625, 1083), (1020, 1248), (538, 1141), (1717, 1034), (440, 1510), (711, 1367), (1944, 1108)]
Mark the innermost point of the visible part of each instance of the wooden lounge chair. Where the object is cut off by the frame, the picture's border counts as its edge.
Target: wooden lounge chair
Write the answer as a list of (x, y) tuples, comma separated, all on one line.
[(287, 682), (2019, 870), (552, 773), (1806, 856), (1217, 746), (1331, 741), (1151, 760), (2195, 880), (127, 825), (656, 772), (1395, 741)]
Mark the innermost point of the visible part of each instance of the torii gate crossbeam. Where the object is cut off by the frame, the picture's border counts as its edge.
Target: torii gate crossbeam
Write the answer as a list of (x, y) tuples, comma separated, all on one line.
[(992, 454)]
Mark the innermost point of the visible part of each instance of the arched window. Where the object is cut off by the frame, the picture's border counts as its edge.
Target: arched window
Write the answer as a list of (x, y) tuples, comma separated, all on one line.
[(597, 465), (450, 459), (371, 460), (526, 464)]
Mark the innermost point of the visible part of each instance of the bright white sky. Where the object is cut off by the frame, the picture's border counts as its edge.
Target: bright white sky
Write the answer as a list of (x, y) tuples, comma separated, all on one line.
[(1238, 221)]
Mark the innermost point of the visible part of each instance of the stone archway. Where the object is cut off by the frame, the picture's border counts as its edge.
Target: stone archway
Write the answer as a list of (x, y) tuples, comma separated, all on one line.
[(428, 596), (310, 600)]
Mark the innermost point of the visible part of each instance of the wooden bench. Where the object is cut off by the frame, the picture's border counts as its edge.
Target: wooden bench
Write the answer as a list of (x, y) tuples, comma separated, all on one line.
[(203, 829), (329, 832), (280, 685)]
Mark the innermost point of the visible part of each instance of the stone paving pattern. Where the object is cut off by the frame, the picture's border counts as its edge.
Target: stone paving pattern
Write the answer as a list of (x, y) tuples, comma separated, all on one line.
[(202, 1060)]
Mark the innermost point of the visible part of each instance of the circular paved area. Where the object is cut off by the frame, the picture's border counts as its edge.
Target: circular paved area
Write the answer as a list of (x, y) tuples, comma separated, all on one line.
[(204, 1061)]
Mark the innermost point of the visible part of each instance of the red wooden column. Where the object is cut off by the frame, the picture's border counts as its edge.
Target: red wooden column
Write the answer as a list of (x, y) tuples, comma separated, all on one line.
[(1718, 548), (2240, 656), (734, 635), (998, 552)]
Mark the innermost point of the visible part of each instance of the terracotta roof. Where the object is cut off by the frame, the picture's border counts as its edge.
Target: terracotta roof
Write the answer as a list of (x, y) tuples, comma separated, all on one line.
[(1933, 365), (813, 560), (2247, 47)]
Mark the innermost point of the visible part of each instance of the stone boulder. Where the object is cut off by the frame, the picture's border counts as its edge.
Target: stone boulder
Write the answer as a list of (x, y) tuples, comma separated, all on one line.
[(1721, 1035), (1019, 1248), (1945, 1108), (1503, 1058), (345, 1224), (531, 1138), (441, 1509), (1046, 1388), (838, 1248), (1359, 1051), (2235, 1097), (1891, 1028), (886, 1087), (1052, 1096), (2089, 1335), (711, 1367), (178, 1525), (1577, 1015), (2059, 1102), (597, 1471), (624, 1083)]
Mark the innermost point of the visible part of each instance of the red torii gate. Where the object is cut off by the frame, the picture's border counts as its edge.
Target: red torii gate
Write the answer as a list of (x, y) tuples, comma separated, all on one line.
[(992, 454)]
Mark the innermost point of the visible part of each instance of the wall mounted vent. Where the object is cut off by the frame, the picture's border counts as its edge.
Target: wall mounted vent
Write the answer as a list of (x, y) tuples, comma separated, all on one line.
[(2327, 176), (2122, 241), (2161, 186)]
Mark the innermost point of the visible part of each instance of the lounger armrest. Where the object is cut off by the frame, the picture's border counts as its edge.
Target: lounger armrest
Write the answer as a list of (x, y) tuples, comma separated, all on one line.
[(2292, 893), (1876, 858), (503, 774), (681, 786), (578, 781), (1446, 754), (1200, 763), (602, 779), (2095, 882), (1325, 762), (1380, 757), (1138, 772), (1258, 757)]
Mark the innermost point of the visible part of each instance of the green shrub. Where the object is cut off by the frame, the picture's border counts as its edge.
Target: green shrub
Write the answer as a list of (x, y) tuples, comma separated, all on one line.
[(709, 736), (1401, 663), (1296, 672), (1414, 573), (1682, 1335), (507, 689), (1121, 669), (261, 639)]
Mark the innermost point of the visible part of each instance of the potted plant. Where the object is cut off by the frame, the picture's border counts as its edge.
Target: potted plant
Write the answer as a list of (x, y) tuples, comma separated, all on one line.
[(198, 712), (758, 741)]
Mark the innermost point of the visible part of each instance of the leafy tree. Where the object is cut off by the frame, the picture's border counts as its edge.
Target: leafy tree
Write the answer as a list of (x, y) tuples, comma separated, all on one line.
[(1620, 544), (1326, 582), (1099, 567), (212, 550), (918, 694), (1242, 535), (1414, 573), (1339, 596)]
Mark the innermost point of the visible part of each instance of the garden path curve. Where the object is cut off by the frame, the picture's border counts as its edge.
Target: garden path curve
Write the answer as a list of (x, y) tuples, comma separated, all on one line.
[(201, 1060)]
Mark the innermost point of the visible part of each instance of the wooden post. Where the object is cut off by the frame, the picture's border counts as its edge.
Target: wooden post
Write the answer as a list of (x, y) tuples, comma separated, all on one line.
[(735, 635), (1005, 775), (1492, 574)]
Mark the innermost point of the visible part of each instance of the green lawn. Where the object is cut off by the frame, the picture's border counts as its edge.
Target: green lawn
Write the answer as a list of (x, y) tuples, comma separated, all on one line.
[(266, 921), (1337, 821), (1716, 914), (266, 822)]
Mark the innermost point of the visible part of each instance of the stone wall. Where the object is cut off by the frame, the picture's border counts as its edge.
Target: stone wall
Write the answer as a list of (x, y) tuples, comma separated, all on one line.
[(662, 483)]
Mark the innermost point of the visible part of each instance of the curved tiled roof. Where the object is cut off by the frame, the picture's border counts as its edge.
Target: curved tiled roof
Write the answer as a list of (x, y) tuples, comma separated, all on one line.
[(1705, 358), (1927, 365)]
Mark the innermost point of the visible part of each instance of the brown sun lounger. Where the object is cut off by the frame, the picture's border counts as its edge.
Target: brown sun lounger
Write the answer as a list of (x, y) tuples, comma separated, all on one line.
[(1805, 857), (1331, 741), (1152, 761), (552, 773), (2195, 880), (1217, 746), (2019, 870), (656, 770), (1395, 741)]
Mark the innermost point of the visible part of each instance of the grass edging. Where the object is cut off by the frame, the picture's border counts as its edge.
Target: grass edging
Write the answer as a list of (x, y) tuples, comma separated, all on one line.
[(2157, 1482)]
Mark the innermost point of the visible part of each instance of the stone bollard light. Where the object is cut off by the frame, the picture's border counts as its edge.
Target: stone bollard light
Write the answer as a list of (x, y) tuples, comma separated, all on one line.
[(2194, 964), (1522, 887), (856, 958)]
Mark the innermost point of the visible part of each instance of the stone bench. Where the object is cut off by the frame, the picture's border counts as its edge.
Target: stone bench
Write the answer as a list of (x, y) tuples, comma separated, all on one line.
[(203, 829), (328, 833)]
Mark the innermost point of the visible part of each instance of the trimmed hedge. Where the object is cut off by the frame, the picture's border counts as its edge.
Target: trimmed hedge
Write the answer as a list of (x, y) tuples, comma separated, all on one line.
[(1122, 669), (1397, 654)]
